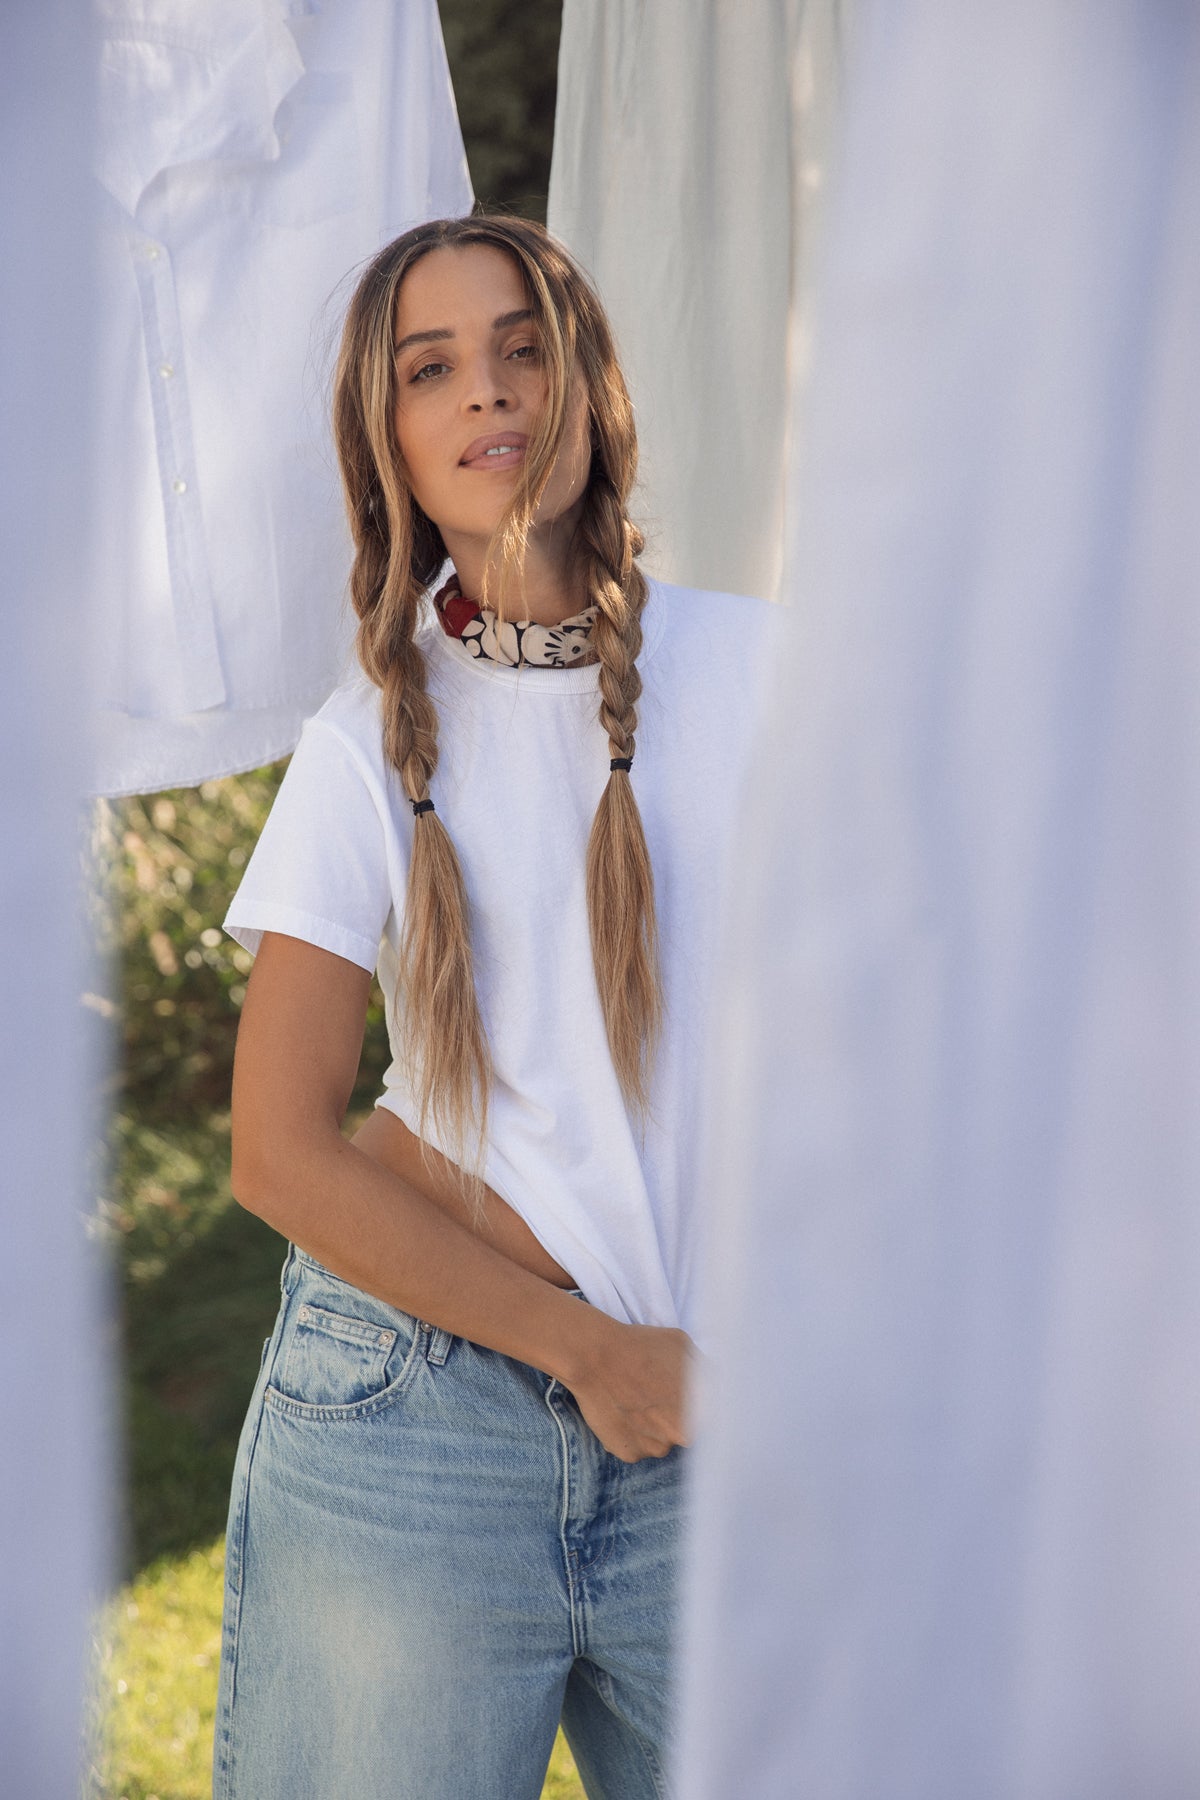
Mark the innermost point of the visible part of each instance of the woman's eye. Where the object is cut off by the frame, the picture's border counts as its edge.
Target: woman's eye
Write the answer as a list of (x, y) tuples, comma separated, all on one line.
[(525, 353), (427, 371)]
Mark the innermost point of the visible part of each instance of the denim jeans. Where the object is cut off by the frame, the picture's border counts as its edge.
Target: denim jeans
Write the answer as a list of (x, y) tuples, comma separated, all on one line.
[(431, 1559)]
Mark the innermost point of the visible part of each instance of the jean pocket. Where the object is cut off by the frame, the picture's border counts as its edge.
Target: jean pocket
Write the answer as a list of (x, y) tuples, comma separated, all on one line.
[(332, 1360), (344, 1359)]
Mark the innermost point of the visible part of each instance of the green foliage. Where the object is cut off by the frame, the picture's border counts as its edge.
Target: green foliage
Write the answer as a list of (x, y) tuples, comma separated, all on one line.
[(503, 57), (168, 865), (199, 1285), (198, 1277), (165, 868)]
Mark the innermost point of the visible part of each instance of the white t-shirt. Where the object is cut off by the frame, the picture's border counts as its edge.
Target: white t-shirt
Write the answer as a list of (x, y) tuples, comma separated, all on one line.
[(522, 763)]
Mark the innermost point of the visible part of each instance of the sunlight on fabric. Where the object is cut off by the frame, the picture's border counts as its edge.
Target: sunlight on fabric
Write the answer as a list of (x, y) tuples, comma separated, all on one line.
[(54, 1507), (948, 1536), (689, 161)]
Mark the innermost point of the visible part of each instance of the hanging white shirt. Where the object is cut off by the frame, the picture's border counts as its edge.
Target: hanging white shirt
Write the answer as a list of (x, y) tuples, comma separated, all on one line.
[(252, 153), (689, 156), (947, 1498)]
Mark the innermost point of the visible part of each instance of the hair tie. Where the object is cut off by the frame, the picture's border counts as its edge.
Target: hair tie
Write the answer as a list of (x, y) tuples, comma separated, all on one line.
[(422, 806), (620, 762)]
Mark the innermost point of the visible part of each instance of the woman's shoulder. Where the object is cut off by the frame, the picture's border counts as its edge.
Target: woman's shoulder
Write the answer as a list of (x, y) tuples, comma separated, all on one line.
[(353, 713)]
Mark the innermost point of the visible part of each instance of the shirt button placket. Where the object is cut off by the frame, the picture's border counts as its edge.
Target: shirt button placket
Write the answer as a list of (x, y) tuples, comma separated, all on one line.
[(187, 554)]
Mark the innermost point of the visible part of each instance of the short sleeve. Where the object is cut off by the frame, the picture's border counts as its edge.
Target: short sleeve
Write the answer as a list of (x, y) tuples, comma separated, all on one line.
[(320, 868)]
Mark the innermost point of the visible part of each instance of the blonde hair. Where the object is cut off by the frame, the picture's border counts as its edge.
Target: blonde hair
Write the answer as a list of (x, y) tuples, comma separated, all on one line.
[(398, 551)]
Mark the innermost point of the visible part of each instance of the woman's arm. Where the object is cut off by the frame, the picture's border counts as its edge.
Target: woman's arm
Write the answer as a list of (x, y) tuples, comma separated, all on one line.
[(386, 1140), (298, 1050)]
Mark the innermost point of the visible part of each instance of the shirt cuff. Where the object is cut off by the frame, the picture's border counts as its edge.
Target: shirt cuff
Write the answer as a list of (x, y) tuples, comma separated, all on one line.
[(246, 924)]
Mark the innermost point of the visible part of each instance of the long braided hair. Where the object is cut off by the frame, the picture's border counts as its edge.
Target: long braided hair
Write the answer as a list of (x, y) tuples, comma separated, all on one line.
[(398, 551)]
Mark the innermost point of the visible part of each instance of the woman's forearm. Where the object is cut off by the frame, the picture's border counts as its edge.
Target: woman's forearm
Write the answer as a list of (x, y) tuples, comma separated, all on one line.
[(299, 1044), (387, 1140), (380, 1232)]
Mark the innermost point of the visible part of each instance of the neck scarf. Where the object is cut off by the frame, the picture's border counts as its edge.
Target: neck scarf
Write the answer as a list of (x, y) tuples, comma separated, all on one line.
[(522, 642)]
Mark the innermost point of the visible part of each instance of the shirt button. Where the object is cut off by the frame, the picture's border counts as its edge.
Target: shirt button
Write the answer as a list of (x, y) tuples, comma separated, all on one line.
[(179, 485), (166, 370), (151, 252)]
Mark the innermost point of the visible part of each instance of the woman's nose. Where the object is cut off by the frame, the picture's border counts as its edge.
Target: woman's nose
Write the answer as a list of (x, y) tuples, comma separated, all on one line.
[(488, 390)]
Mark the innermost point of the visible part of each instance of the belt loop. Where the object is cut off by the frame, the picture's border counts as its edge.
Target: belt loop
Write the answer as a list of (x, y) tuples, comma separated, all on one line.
[(290, 1272), (437, 1344)]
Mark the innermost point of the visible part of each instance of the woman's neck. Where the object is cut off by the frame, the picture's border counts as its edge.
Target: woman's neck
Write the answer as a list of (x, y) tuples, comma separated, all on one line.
[(552, 585)]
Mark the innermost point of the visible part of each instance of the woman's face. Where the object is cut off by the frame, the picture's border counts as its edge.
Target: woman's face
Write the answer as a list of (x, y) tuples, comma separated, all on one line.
[(469, 387)]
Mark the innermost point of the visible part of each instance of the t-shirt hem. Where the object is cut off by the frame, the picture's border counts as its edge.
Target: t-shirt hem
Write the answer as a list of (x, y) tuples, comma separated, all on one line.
[(582, 1264)]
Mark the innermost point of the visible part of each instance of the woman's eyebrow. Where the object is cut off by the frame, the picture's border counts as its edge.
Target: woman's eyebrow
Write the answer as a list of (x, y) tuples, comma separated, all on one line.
[(512, 318), (423, 337), (441, 335)]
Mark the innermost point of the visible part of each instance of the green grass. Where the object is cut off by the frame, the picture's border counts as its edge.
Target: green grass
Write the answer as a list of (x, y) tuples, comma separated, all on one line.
[(157, 1654), (199, 1284)]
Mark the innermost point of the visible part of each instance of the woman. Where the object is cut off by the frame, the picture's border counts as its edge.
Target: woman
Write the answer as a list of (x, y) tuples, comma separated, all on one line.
[(456, 1506)]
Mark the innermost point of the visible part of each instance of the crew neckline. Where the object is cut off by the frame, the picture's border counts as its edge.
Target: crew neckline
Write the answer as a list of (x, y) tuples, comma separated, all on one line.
[(579, 679)]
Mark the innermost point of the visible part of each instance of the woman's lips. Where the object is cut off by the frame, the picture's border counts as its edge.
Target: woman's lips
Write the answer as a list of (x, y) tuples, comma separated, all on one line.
[(499, 450)]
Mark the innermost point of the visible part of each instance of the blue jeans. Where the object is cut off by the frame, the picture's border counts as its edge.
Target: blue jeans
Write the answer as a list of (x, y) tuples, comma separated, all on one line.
[(431, 1559)]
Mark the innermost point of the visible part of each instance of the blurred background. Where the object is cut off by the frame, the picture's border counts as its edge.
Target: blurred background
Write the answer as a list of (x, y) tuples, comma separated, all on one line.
[(197, 1277)]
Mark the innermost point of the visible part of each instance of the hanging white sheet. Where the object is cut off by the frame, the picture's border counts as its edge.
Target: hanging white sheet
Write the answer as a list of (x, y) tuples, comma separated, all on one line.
[(55, 1506), (689, 156), (948, 1507), (252, 153)]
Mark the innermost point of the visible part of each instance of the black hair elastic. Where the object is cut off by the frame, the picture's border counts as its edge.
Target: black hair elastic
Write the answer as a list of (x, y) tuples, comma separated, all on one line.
[(422, 806), (620, 762)]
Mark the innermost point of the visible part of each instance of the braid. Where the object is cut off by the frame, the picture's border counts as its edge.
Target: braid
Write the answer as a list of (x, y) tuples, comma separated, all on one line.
[(409, 719), (620, 880), (449, 1061)]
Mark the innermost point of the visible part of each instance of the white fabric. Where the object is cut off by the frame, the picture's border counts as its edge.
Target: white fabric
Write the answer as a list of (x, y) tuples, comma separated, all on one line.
[(54, 1498), (251, 154), (689, 155), (521, 767), (948, 1537)]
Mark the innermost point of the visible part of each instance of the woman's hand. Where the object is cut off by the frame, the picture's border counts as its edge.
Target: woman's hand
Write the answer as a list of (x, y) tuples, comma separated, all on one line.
[(632, 1387)]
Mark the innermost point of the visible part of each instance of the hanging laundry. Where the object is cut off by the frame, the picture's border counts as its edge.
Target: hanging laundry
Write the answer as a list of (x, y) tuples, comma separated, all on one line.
[(689, 159), (251, 154), (56, 1504), (948, 1481)]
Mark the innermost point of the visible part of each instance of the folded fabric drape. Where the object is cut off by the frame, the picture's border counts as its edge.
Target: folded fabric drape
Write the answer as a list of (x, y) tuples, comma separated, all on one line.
[(56, 1504), (948, 1489), (689, 159)]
